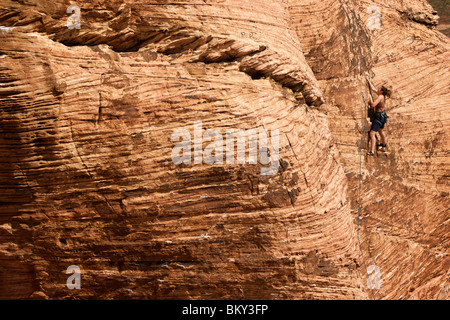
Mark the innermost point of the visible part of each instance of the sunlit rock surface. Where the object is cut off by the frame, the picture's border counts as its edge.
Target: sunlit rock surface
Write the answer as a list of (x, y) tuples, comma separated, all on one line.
[(87, 177)]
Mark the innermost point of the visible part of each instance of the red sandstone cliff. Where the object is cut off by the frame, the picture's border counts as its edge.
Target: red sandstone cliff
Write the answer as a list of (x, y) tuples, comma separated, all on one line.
[(87, 179)]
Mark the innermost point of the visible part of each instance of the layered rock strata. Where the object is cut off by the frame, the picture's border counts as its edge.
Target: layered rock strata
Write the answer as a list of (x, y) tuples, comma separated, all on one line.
[(87, 175)]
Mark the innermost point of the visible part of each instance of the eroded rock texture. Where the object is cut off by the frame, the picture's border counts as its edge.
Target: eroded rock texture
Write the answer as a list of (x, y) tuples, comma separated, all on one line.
[(87, 177)]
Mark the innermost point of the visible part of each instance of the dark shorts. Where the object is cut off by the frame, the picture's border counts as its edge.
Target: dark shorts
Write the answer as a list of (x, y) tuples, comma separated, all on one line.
[(377, 125)]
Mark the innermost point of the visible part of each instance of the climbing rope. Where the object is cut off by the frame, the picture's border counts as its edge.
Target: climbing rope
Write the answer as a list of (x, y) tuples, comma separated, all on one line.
[(360, 184)]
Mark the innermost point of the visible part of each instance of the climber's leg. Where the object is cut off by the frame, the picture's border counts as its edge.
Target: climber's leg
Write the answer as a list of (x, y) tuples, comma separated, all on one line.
[(373, 141), (383, 137), (376, 126)]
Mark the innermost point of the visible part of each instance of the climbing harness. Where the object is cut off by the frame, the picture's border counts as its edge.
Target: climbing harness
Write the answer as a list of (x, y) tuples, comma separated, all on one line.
[(382, 117)]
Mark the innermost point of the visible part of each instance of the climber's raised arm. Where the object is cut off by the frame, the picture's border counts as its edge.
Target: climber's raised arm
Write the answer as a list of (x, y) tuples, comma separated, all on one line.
[(371, 99), (371, 86)]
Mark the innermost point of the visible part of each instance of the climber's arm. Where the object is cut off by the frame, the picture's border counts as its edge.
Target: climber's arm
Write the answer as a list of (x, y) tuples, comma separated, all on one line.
[(377, 101), (371, 86)]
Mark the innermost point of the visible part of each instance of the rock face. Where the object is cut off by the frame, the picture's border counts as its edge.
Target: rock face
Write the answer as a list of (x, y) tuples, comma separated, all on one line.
[(404, 195), (86, 138)]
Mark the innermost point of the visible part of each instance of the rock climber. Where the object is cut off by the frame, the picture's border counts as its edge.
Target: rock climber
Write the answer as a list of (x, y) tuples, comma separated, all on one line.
[(378, 116)]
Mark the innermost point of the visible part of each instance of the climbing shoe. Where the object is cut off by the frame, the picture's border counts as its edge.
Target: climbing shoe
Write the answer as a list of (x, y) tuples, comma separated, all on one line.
[(371, 154)]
